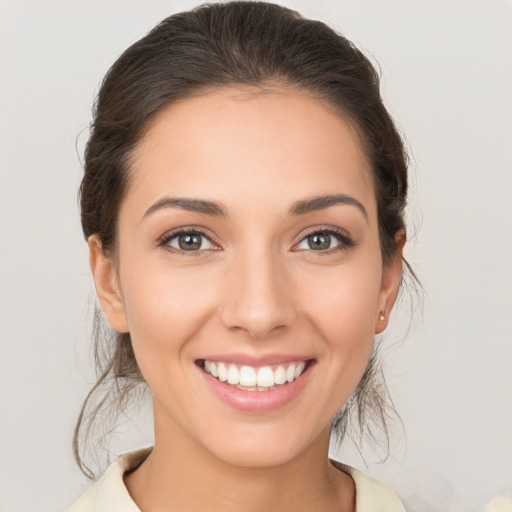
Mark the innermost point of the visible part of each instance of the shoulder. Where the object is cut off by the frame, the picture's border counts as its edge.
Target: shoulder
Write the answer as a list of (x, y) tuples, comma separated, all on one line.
[(371, 495), (109, 493)]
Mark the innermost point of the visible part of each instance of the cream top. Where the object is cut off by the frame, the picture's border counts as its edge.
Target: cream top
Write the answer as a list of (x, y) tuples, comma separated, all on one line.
[(109, 493)]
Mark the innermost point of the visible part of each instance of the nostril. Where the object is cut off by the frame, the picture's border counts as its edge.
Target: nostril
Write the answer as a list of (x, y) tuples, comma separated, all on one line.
[(257, 305)]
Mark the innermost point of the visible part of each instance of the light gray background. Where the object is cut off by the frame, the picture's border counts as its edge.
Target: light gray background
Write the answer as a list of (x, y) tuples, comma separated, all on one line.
[(448, 81)]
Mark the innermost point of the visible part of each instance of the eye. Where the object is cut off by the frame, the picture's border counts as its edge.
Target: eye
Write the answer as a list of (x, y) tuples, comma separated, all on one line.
[(189, 241), (324, 240)]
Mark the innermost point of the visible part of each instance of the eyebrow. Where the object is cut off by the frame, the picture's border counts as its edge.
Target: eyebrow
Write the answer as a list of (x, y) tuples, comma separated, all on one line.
[(193, 205), (298, 208), (321, 202)]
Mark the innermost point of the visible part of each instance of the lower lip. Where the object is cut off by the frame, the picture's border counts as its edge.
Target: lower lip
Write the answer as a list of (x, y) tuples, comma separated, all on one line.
[(257, 401)]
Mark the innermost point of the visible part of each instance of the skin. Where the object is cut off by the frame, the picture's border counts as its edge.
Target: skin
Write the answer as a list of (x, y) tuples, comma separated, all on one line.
[(258, 289)]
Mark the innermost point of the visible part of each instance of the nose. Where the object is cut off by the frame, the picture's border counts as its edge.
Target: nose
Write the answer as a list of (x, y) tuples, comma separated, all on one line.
[(258, 296)]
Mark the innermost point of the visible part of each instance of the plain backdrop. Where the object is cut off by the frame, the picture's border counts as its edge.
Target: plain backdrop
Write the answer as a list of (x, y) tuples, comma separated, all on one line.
[(447, 79)]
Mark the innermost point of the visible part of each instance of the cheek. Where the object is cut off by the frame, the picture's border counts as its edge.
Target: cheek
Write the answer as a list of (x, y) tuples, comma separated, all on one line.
[(344, 300), (343, 305), (165, 308)]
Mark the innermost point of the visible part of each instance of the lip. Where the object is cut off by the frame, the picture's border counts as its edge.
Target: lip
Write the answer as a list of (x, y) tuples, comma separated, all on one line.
[(257, 401)]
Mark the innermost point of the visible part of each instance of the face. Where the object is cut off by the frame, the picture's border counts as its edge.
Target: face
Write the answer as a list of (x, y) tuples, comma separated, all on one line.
[(248, 271)]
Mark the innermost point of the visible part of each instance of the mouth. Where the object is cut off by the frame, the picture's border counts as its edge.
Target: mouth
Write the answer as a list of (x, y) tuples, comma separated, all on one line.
[(255, 378)]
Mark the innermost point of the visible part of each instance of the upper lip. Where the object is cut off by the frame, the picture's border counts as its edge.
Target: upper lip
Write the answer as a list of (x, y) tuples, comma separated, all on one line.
[(256, 361)]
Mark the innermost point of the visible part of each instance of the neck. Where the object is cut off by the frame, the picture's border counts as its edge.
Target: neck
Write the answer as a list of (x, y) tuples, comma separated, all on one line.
[(180, 474)]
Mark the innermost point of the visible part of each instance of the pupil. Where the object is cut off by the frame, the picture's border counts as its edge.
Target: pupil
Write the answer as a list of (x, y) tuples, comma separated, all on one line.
[(319, 241), (189, 242)]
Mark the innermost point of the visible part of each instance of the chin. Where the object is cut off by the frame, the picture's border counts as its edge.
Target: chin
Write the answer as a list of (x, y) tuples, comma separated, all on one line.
[(260, 446)]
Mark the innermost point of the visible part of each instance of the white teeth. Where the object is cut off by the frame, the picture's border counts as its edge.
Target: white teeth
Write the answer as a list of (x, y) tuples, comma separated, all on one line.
[(280, 375), (299, 369), (265, 377), (233, 375), (253, 379), (290, 373), (247, 376), (223, 373)]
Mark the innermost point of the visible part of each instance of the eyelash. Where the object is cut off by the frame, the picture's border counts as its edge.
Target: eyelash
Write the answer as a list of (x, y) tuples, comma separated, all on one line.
[(345, 241), (341, 236), (164, 241)]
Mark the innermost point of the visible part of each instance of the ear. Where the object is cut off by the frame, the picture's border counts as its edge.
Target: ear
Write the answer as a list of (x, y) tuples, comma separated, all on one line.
[(391, 275), (107, 285)]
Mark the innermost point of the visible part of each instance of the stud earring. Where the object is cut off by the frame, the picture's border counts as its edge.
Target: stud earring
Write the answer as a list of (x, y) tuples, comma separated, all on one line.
[(382, 316)]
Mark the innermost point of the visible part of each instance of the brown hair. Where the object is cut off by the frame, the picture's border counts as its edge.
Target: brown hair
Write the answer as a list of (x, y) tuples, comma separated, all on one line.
[(213, 46)]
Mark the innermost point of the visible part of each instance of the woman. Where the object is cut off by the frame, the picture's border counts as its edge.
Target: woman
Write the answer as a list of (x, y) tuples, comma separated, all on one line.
[(243, 205)]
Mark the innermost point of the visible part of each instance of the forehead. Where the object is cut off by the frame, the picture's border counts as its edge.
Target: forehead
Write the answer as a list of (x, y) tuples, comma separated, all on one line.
[(247, 143)]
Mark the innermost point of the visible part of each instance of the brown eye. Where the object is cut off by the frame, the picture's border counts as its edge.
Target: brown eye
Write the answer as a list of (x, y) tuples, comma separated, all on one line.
[(189, 241), (319, 241), (325, 241)]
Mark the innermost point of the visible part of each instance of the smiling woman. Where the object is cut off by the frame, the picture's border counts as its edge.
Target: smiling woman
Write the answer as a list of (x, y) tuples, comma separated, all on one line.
[(243, 205)]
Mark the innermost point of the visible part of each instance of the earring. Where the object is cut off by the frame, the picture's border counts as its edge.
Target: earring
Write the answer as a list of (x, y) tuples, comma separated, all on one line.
[(382, 316)]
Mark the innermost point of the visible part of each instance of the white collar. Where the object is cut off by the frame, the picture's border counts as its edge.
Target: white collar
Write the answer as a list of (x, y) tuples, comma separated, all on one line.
[(109, 493)]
